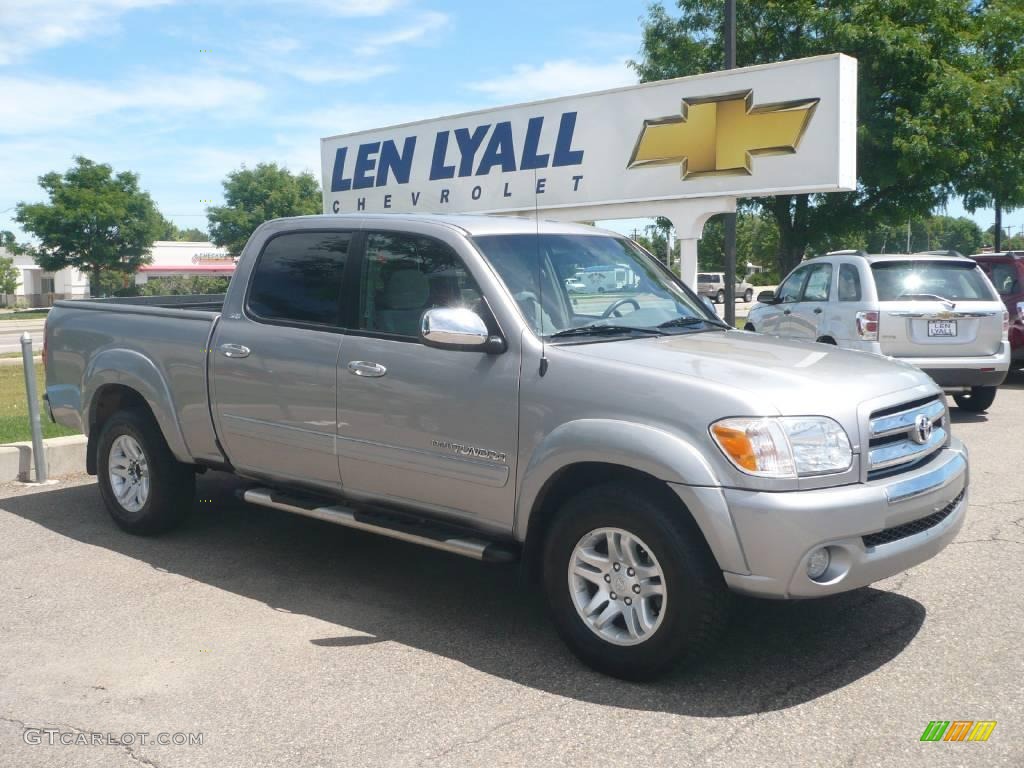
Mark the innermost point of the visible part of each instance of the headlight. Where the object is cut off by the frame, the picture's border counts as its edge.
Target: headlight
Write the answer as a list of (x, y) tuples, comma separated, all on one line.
[(787, 446)]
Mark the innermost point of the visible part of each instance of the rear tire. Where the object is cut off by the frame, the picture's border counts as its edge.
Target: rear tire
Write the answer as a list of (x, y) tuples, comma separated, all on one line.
[(748, 295), (720, 297), (749, 327), (146, 490), (675, 626), (977, 400)]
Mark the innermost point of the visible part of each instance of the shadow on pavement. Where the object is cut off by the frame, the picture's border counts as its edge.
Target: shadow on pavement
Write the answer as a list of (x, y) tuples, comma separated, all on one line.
[(775, 655)]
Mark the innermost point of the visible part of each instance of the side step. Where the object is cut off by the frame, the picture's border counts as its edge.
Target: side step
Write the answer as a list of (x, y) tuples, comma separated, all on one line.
[(414, 530)]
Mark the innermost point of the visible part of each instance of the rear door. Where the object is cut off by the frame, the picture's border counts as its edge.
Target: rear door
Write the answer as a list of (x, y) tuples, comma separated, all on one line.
[(807, 314), (936, 308), (274, 367), (417, 425)]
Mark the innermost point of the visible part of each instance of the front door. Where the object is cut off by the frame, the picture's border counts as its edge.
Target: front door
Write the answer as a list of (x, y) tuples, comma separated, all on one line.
[(806, 318), (774, 318), (427, 427), (274, 380)]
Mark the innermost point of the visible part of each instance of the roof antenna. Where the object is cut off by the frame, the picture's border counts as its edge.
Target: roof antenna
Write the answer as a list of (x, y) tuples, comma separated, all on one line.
[(540, 280)]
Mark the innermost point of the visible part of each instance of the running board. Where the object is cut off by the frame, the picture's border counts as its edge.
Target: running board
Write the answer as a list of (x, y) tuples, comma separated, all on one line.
[(436, 536)]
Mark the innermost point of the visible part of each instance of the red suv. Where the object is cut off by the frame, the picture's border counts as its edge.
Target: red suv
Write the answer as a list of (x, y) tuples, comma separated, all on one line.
[(1006, 271)]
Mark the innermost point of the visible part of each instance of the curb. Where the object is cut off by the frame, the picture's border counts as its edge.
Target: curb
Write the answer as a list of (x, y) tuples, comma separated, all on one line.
[(64, 456)]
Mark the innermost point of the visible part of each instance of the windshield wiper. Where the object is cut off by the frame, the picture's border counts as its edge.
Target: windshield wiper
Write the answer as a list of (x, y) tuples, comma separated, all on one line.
[(682, 322), (604, 330), (927, 296)]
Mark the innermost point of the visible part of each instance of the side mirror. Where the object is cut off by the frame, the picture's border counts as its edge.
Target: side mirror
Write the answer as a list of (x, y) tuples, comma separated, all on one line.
[(766, 297), (457, 328), (709, 305)]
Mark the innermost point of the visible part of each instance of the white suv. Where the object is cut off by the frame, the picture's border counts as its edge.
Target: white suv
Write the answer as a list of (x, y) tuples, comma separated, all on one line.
[(936, 311)]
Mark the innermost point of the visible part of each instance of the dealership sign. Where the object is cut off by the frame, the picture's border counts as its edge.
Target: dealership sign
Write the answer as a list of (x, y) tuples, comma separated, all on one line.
[(772, 129)]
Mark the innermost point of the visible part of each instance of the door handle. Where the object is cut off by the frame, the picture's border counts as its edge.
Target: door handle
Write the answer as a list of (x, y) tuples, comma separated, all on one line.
[(234, 350), (817, 311), (363, 368)]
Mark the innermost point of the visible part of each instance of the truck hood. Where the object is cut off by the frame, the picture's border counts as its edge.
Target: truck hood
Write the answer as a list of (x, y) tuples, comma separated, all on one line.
[(781, 372)]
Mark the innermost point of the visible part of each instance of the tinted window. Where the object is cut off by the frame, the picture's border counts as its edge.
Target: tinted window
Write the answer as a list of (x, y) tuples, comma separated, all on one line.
[(849, 283), (789, 291), (1004, 278), (924, 280), (298, 277), (404, 276), (819, 283), (703, 278)]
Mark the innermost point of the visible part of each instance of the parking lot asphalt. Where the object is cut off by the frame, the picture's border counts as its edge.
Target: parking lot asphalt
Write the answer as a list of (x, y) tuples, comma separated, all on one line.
[(287, 641)]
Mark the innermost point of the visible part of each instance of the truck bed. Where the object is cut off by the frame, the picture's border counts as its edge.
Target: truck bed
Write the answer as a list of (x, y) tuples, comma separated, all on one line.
[(156, 345)]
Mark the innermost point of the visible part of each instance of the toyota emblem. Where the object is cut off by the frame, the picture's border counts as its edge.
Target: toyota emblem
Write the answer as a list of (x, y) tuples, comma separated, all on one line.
[(922, 429)]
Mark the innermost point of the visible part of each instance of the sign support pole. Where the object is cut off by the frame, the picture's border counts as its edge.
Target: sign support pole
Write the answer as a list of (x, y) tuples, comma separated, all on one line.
[(729, 221)]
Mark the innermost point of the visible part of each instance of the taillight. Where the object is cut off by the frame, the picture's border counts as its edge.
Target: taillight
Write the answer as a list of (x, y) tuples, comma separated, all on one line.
[(1020, 311), (1006, 323), (867, 326)]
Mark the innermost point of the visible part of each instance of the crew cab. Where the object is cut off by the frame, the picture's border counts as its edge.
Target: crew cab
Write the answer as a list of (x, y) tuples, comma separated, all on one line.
[(934, 310), (430, 379), (1006, 271)]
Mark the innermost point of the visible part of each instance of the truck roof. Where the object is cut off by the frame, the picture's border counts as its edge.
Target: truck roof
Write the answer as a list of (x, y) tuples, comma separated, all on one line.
[(470, 224)]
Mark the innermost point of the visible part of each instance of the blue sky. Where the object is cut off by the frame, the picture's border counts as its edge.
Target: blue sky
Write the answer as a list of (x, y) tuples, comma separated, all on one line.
[(182, 92)]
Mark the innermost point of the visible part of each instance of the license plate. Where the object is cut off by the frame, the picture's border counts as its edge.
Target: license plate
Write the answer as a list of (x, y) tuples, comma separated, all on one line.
[(942, 327)]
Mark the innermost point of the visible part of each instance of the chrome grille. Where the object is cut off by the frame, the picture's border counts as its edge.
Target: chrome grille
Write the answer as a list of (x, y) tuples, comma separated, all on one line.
[(906, 436)]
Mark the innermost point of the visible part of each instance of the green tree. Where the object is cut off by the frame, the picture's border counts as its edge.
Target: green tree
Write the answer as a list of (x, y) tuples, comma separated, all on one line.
[(914, 98), (9, 277), (95, 221), (994, 176), (258, 195), (193, 235), (10, 244)]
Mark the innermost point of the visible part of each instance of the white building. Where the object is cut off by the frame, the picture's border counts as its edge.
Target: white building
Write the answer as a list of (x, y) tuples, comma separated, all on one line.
[(39, 288), (174, 258), (171, 258)]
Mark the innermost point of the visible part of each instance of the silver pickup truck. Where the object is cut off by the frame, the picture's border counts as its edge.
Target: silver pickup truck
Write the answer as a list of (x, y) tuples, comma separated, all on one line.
[(432, 379)]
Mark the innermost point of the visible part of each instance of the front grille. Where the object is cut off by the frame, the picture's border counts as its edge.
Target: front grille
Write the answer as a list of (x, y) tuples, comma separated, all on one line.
[(890, 535), (896, 441)]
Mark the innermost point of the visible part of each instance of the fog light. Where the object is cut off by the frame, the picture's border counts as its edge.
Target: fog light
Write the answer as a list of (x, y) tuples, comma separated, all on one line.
[(818, 563)]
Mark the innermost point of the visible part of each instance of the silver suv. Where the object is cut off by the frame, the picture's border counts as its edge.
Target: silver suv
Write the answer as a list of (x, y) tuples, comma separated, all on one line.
[(934, 310), (712, 285)]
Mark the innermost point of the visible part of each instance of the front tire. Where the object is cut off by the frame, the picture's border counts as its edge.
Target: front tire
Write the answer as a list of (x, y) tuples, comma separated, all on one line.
[(978, 400), (720, 297), (748, 295), (631, 585), (146, 490)]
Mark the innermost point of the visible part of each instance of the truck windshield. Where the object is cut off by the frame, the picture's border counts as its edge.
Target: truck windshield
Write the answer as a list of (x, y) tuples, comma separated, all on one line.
[(574, 282), (930, 281)]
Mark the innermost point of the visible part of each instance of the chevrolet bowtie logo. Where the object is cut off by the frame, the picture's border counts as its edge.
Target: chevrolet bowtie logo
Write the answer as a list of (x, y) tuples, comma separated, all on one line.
[(720, 134)]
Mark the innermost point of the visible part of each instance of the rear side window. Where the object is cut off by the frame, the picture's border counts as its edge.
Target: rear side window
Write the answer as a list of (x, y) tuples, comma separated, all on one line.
[(819, 284), (703, 278), (298, 277), (1004, 278), (926, 280), (849, 283)]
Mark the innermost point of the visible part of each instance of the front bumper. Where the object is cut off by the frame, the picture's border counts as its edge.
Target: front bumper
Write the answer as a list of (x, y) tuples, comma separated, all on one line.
[(779, 531)]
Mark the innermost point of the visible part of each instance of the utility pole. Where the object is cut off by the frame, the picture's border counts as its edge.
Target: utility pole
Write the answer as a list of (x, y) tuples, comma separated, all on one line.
[(729, 222), (998, 234)]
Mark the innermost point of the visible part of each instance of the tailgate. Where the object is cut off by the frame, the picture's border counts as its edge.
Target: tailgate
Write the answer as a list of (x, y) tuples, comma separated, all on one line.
[(936, 308), (928, 329)]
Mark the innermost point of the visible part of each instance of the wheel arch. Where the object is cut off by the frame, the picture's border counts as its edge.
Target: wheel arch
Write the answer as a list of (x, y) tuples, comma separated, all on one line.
[(587, 452), (124, 378)]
